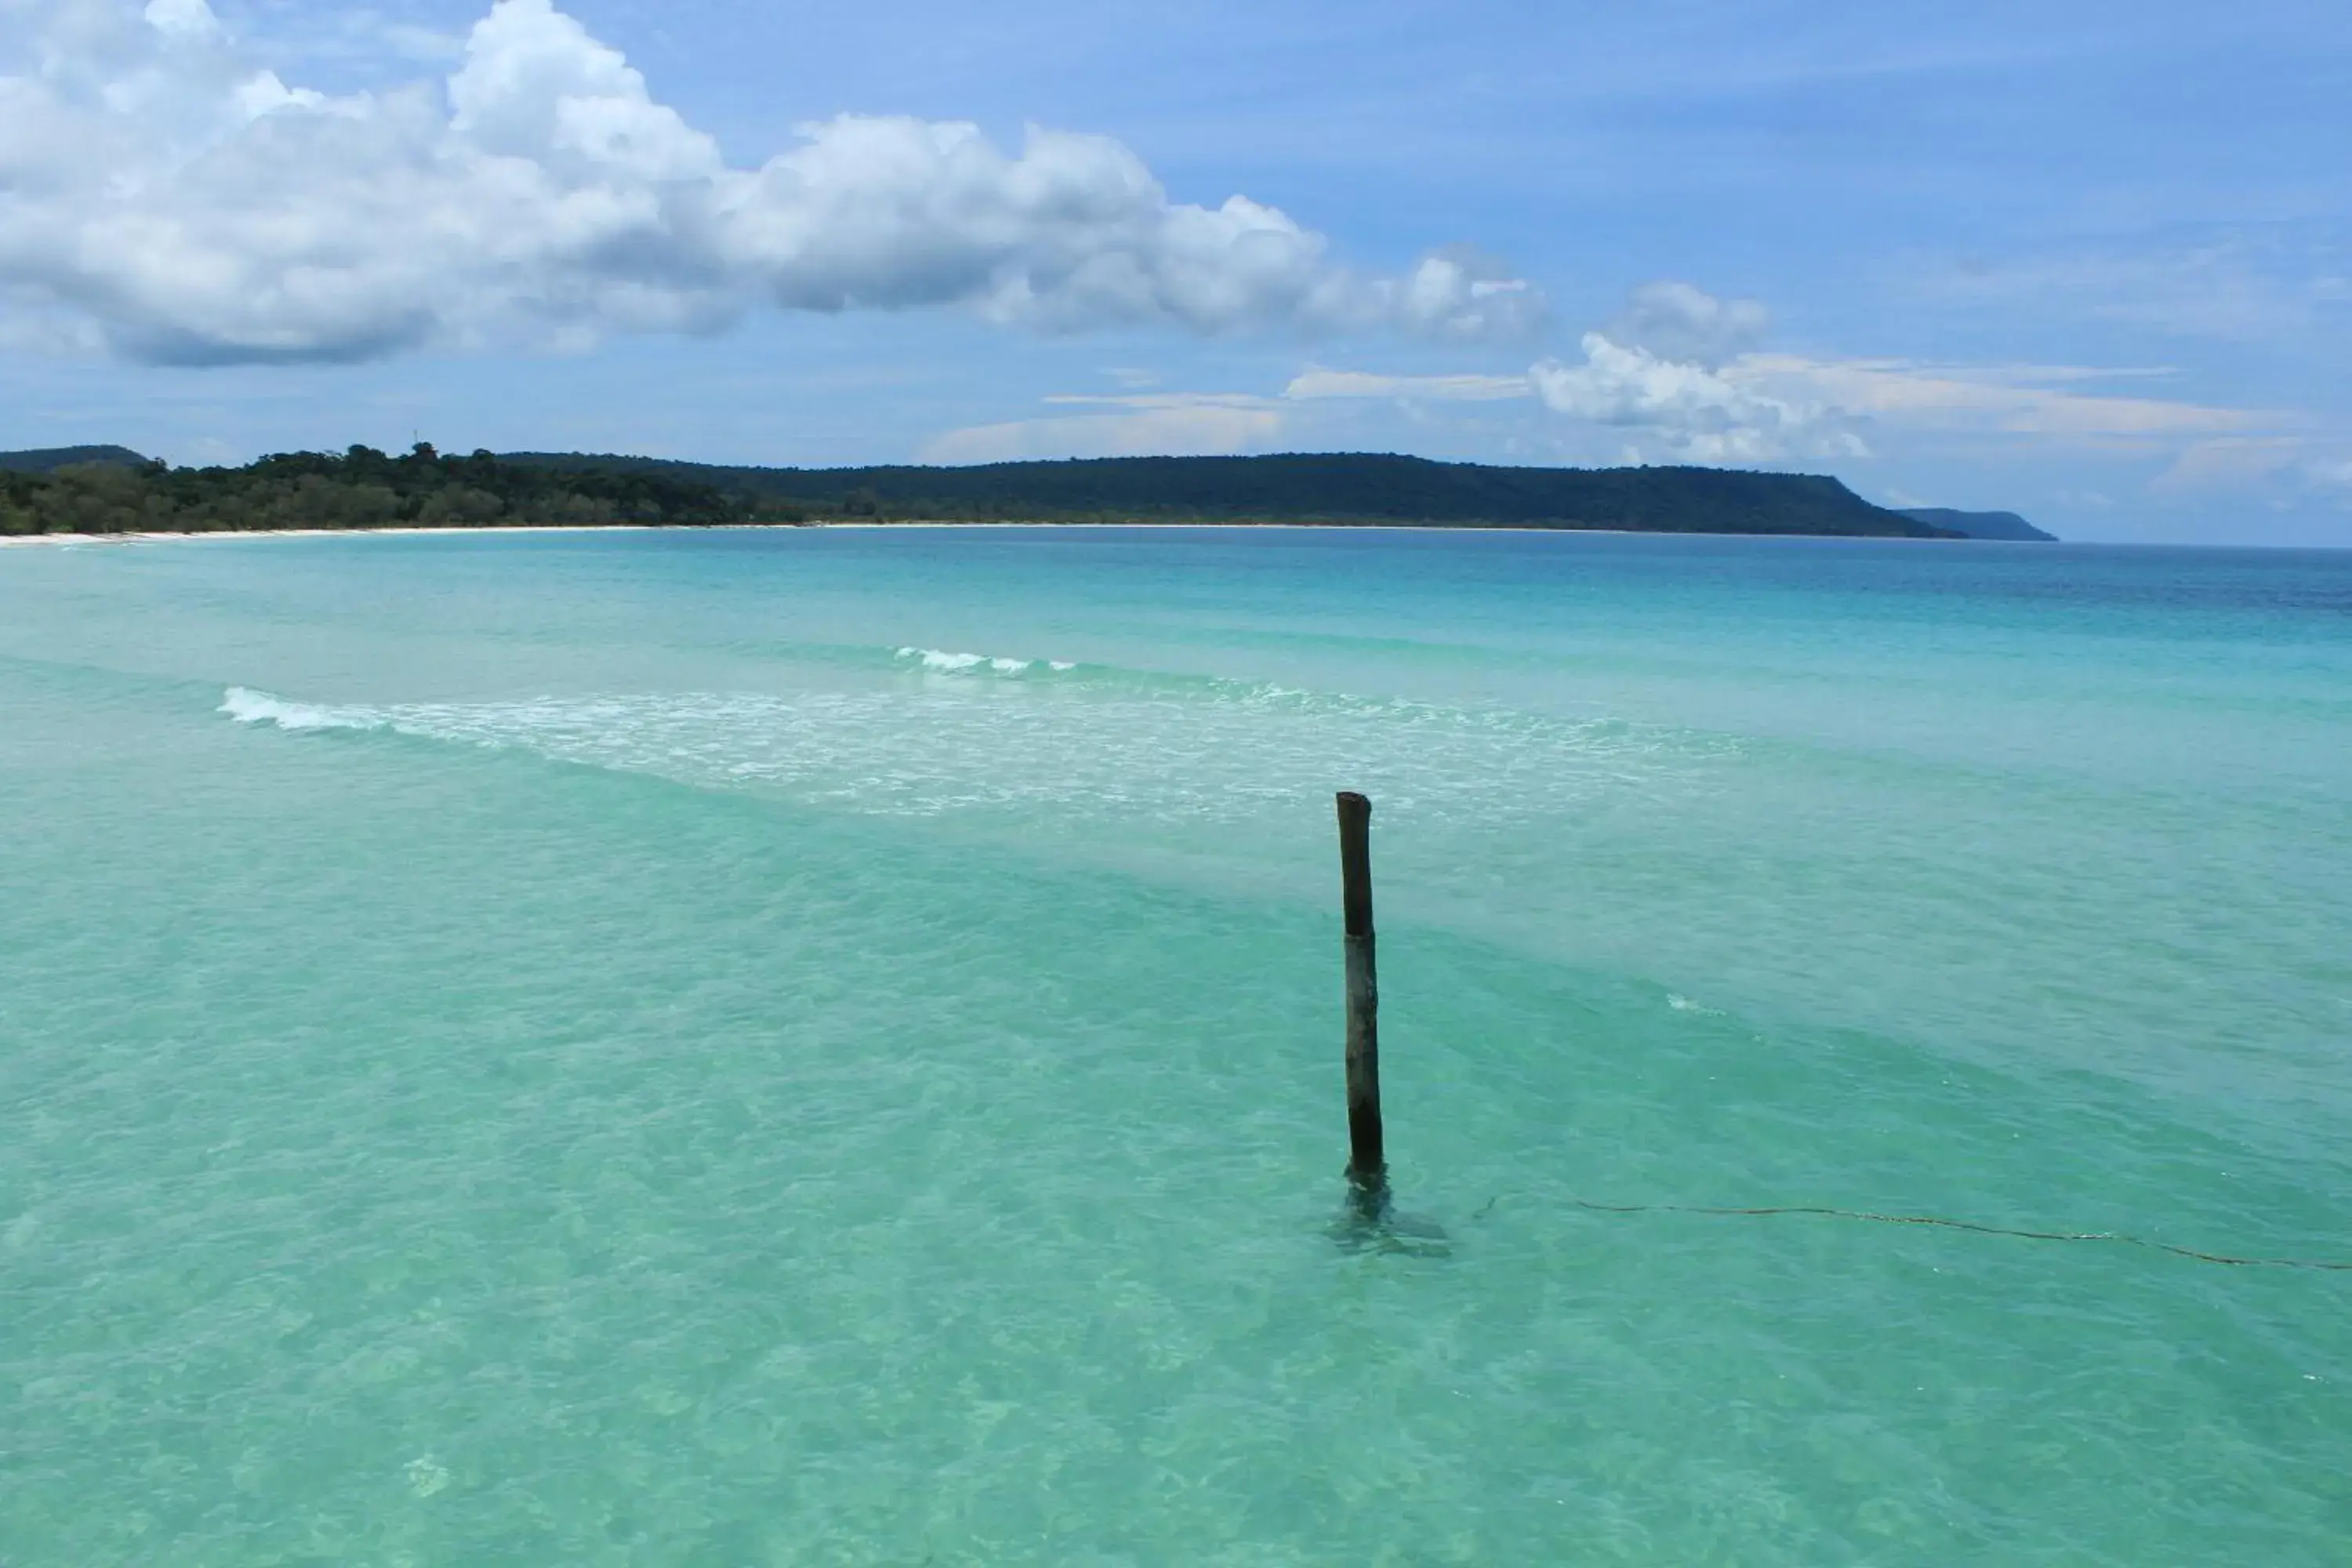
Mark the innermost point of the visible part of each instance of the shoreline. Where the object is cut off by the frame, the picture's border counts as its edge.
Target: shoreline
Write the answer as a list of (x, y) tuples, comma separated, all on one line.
[(9, 540)]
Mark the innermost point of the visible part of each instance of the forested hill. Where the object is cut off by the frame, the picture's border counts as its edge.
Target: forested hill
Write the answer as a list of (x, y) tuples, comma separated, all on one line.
[(363, 487), (49, 460), (1336, 488)]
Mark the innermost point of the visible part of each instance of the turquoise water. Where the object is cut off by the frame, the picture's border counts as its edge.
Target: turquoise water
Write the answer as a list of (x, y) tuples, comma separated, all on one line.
[(821, 1047)]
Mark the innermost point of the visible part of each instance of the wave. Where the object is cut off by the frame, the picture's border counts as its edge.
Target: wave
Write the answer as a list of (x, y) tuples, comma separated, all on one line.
[(1127, 680), (248, 706), (965, 732), (947, 663)]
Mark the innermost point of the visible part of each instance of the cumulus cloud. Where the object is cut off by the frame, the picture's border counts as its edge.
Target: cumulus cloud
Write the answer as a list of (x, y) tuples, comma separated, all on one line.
[(1678, 323), (1688, 411), (1676, 378), (1463, 296), (1666, 374), (200, 210), (1678, 371)]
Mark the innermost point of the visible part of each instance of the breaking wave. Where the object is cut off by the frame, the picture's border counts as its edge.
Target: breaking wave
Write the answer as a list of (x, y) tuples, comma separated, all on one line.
[(933, 658), (249, 707), (1081, 742)]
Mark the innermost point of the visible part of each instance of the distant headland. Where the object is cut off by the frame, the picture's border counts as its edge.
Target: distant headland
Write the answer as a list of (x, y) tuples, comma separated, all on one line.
[(1978, 524), (112, 490)]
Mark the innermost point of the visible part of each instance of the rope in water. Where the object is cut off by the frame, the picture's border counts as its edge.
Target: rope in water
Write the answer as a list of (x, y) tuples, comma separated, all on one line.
[(2116, 1237)]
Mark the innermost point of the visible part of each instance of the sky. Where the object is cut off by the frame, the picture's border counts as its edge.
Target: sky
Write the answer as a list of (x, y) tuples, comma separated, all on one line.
[(2089, 262)]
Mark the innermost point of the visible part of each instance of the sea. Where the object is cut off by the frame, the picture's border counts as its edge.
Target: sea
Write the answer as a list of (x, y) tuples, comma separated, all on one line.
[(825, 1046)]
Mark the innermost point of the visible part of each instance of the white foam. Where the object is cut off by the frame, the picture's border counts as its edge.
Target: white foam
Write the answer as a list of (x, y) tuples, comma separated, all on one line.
[(1111, 752), (249, 707), (933, 658), (959, 663)]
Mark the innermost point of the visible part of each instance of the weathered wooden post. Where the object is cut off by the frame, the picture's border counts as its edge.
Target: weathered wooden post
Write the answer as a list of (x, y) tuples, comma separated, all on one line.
[(1366, 1161)]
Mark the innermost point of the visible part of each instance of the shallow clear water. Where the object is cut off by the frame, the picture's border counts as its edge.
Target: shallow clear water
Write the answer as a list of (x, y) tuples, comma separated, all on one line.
[(640, 1048)]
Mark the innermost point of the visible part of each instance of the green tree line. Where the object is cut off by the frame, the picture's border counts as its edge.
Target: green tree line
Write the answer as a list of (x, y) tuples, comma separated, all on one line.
[(361, 488), (45, 492)]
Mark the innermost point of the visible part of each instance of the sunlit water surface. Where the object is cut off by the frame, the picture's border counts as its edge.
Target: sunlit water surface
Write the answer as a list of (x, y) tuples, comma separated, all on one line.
[(821, 1047)]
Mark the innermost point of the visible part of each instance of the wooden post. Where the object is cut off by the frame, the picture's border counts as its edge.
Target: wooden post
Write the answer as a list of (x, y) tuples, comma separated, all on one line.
[(1367, 1162)]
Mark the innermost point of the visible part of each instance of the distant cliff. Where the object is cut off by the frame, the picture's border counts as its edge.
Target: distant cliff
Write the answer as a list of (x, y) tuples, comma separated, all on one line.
[(1296, 487), (1977, 524)]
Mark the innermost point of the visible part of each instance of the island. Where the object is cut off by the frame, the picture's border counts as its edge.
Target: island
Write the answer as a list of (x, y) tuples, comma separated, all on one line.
[(112, 490)]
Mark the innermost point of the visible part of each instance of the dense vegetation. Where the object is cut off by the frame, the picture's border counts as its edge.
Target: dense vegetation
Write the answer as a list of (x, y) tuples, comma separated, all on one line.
[(1303, 488), (361, 487)]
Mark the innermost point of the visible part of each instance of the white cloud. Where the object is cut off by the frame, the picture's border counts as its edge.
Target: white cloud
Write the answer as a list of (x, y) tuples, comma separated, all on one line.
[(1690, 392), (1460, 295), (1678, 321), (1173, 424), (1467, 388), (201, 210), (2010, 399), (1688, 411), (192, 17), (1678, 372)]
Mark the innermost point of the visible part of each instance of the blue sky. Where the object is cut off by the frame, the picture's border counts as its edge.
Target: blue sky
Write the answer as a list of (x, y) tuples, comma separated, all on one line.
[(2092, 262)]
